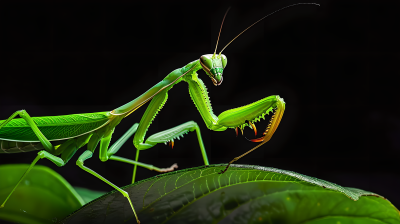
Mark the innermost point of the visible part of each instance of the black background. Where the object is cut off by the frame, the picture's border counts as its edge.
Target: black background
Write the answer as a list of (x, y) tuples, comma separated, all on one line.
[(334, 65)]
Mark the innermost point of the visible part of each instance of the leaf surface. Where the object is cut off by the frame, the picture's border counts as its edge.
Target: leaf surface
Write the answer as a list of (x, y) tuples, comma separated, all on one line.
[(42, 197), (244, 194), (87, 194)]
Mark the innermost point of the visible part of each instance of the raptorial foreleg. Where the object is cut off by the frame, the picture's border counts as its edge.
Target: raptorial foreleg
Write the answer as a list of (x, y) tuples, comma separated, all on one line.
[(253, 112), (154, 107)]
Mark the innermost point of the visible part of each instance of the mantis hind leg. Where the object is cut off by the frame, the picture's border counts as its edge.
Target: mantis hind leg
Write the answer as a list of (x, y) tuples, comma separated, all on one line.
[(42, 154), (68, 149)]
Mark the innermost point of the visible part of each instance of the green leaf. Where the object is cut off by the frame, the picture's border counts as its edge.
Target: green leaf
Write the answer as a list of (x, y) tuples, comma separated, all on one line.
[(42, 197), (88, 195), (244, 194)]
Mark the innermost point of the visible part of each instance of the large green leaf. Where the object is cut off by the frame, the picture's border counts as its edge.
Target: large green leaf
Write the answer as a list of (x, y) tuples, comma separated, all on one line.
[(42, 197), (244, 194), (87, 194)]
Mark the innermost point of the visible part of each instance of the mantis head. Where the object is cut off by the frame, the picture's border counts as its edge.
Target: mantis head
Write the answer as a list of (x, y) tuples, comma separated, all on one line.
[(214, 66)]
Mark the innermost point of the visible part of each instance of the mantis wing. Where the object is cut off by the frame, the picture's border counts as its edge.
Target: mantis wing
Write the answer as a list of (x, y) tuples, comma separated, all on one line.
[(54, 127)]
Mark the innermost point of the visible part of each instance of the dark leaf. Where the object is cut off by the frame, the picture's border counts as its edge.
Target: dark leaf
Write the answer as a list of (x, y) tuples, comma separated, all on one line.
[(244, 194)]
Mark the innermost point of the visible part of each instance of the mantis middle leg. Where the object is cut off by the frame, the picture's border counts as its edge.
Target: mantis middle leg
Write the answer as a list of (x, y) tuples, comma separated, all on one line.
[(105, 138), (106, 153)]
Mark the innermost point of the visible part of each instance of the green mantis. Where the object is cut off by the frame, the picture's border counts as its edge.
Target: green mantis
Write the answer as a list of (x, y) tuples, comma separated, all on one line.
[(59, 137)]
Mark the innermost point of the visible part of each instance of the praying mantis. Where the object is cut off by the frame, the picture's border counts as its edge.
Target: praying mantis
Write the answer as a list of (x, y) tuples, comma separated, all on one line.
[(59, 137)]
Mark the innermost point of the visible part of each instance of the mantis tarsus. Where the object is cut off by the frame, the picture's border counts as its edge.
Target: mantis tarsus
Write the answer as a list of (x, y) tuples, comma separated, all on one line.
[(64, 135)]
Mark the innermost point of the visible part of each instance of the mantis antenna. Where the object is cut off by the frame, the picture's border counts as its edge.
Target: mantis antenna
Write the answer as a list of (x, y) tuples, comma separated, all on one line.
[(237, 158), (260, 20), (220, 31)]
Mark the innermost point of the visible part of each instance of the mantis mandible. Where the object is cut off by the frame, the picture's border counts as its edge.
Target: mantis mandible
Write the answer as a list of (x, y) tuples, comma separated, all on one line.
[(59, 137)]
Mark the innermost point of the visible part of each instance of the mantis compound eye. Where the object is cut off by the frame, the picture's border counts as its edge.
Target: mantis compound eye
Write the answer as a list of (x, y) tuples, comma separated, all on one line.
[(224, 60), (206, 62)]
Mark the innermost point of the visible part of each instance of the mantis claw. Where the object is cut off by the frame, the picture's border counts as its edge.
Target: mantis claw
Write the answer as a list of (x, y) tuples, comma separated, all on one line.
[(238, 117), (273, 123), (171, 143), (254, 128), (256, 140)]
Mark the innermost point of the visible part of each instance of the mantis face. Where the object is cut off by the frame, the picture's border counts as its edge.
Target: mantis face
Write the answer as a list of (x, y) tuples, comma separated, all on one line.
[(214, 66)]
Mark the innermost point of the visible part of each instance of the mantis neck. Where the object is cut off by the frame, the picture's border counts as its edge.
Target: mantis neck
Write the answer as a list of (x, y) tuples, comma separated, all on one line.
[(171, 79)]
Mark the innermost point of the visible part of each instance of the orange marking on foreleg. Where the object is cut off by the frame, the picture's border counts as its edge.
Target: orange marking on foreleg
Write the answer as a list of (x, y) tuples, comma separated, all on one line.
[(254, 128)]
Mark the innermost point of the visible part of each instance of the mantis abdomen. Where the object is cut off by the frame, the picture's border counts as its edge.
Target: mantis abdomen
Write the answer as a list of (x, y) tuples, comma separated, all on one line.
[(17, 136), (53, 127), (17, 147)]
